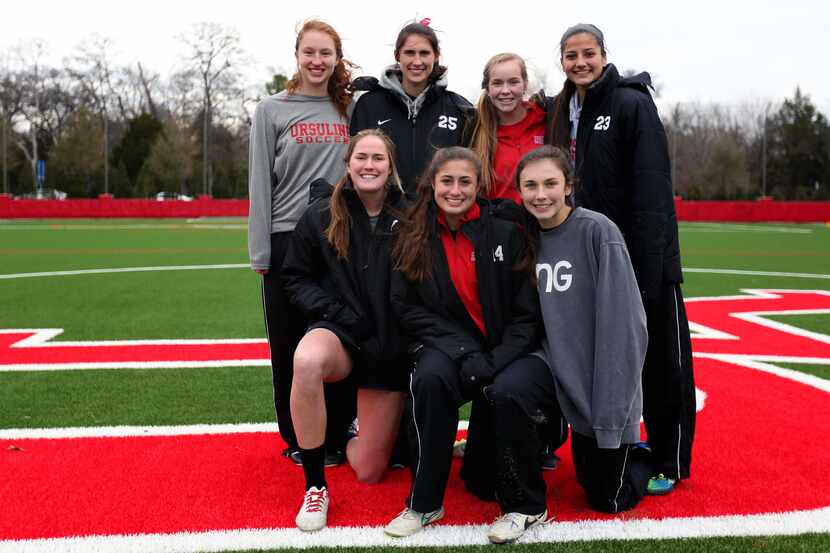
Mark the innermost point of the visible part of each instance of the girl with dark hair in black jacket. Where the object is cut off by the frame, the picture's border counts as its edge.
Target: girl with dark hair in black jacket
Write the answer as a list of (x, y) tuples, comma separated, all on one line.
[(475, 318), (613, 131), (411, 103), (337, 272)]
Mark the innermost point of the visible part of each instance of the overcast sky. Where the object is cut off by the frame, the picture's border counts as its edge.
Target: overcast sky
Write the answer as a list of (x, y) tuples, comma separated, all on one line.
[(701, 50)]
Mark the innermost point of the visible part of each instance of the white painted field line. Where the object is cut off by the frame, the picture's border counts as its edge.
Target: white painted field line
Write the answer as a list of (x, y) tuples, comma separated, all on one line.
[(762, 363), (135, 365), (133, 431), (755, 273), (245, 266), (723, 227), (137, 431), (126, 270), (788, 523)]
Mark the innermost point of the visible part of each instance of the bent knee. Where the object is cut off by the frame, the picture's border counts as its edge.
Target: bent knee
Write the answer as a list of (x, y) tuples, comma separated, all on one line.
[(370, 473), (309, 367)]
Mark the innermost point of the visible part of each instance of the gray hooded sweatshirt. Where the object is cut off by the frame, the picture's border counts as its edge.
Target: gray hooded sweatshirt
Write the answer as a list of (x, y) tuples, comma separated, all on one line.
[(595, 327), (295, 139)]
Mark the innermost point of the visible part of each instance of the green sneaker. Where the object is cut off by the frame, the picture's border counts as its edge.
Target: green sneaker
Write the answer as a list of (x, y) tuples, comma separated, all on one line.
[(660, 485)]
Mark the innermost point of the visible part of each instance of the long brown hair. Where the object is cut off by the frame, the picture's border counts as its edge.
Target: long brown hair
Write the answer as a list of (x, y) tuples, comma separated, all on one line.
[(485, 132), (337, 233), (340, 83), (412, 253)]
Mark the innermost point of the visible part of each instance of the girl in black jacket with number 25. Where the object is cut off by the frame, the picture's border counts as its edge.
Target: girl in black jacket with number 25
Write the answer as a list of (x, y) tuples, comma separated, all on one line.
[(411, 103)]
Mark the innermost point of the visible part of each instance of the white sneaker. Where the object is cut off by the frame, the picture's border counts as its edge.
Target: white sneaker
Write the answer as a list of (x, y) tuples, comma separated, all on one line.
[(510, 526), (313, 511), (410, 522)]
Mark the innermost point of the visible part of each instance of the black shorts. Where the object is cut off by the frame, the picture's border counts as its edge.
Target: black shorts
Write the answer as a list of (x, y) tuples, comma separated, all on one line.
[(367, 372)]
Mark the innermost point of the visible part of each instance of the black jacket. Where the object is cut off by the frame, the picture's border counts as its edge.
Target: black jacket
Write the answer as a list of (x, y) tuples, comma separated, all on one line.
[(623, 171), (351, 296), (439, 123), (432, 313)]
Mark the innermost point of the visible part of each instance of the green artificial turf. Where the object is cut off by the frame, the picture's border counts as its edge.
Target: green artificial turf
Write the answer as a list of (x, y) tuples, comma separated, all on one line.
[(226, 304), (821, 371), (136, 397)]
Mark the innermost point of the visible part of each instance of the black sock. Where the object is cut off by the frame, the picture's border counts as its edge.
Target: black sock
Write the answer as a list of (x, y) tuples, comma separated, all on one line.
[(313, 466)]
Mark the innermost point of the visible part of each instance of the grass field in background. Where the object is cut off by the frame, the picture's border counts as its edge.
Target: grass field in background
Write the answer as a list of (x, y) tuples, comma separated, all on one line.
[(225, 303)]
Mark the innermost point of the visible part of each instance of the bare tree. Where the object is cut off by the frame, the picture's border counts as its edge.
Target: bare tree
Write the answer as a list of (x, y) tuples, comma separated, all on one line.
[(214, 57), (29, 79), (92, 67)]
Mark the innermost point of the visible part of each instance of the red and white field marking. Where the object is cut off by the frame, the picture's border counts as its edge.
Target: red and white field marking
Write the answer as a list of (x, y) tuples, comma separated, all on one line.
[(760, 443), (32, 350)]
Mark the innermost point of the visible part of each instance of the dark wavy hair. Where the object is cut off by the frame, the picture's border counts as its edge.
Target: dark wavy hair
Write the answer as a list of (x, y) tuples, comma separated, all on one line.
[(340, 82), (412, 252)]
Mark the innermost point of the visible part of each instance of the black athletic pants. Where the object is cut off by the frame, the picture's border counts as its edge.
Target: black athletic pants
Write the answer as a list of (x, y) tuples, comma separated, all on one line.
[(285, 326), (435, 396), (522, 397), (668, 384)]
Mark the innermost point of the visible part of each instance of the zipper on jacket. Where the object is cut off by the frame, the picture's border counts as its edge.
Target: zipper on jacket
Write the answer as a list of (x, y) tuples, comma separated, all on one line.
[(414, 136)]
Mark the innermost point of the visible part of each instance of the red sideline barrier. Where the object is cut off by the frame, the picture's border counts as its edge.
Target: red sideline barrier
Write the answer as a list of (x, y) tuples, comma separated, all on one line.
[(109, 208), (759, 211)]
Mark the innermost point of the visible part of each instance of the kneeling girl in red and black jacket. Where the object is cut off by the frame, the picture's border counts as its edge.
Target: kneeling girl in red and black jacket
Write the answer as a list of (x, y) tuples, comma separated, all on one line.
[(459, 295), (337, 271)]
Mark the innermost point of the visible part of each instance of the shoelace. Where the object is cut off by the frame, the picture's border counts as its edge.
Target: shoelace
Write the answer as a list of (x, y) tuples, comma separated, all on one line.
[(512, 518), (314, 501)]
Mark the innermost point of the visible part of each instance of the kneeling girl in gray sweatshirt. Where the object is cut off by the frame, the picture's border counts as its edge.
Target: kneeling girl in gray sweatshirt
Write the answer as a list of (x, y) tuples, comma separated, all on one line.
[(595, 337)]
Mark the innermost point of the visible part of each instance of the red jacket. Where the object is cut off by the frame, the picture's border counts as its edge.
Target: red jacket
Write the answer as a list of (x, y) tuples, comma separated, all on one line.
[(461, 262), (514, 141)]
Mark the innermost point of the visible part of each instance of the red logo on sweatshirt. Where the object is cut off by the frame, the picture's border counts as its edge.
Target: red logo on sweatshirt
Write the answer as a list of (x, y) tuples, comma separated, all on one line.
[(320, 133)]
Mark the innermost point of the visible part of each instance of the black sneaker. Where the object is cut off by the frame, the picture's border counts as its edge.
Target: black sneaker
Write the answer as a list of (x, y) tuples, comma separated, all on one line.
[(548, 460), (332, 458)]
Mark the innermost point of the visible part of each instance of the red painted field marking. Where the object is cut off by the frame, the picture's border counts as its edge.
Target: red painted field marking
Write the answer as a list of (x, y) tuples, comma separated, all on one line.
[(758, 444)]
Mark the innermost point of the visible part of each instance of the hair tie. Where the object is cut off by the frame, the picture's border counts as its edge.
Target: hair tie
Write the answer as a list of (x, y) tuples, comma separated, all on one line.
[(425, 21)]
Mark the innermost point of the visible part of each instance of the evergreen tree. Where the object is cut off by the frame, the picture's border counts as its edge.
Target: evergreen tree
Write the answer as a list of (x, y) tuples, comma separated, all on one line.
[(799, 162)]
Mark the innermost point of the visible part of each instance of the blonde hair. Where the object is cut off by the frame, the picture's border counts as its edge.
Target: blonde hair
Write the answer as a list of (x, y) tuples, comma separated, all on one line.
[(485, 132)]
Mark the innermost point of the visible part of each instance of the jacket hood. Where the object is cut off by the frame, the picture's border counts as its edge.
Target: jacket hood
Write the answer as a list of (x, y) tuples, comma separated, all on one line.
[(640, 80), (610, 78), (390, 79)]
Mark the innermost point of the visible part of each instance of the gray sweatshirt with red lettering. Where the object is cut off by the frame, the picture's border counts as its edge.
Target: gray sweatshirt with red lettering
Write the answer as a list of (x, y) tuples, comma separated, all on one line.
[(595, 327), (295, 139)]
